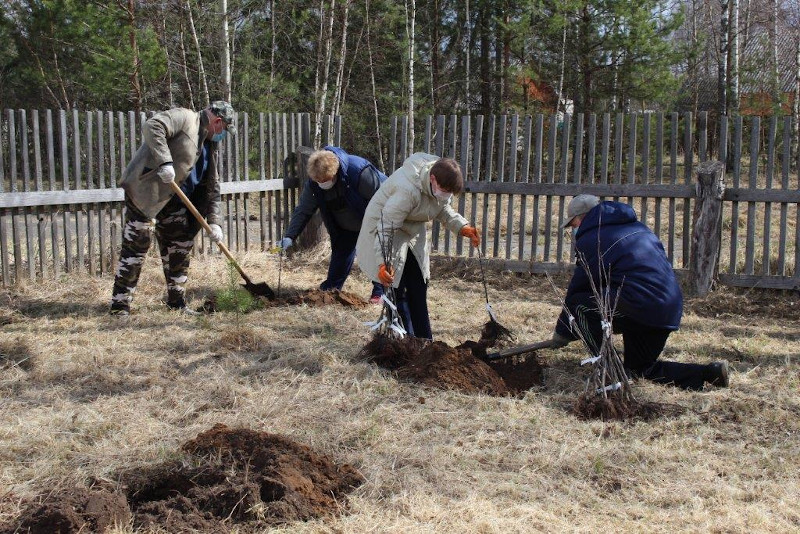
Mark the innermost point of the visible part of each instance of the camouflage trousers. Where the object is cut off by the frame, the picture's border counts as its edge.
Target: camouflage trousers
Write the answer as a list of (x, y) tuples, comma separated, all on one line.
[(174, 232)]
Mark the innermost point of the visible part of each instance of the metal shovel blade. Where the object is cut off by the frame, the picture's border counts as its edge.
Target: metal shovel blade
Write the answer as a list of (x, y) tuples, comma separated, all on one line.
[(260, 289)]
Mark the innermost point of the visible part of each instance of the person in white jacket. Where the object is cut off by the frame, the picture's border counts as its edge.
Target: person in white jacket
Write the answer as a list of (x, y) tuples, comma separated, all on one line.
[(415, 194)]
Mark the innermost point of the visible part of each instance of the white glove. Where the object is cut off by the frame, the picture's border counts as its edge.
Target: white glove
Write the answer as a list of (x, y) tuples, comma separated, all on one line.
[(166, 173), (285, 243), (216, 233)]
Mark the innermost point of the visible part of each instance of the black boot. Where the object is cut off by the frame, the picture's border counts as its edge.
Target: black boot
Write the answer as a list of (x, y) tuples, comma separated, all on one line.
[(716, 374)]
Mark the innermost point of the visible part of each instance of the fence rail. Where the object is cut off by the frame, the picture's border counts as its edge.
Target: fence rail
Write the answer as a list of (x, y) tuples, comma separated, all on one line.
[(61, 209)]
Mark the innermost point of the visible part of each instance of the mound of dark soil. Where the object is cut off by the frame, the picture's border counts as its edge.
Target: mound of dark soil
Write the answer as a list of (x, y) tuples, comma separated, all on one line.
[(614, 407), (461, 368), (226, 477), (75, 510)]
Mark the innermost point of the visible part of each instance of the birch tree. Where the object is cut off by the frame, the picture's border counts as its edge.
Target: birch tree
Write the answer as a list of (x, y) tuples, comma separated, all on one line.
[(321, 92), (722, 67), (339, 90), (411, 16), (201, 68), (374, 90), (226, 52), (733, 61)]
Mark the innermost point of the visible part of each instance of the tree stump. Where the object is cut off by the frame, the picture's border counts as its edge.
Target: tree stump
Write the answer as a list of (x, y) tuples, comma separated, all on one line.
[(707, 225)]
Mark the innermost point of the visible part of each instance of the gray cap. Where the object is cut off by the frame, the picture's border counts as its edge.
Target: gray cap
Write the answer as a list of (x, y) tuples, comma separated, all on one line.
[(580, 205), (224, 111)]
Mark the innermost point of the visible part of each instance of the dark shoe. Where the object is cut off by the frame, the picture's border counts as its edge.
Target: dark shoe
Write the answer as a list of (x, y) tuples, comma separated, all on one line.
[(119, 310), (717, 374)]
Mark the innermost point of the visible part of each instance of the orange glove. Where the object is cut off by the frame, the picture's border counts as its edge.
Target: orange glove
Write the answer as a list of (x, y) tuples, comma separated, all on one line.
[(472, 233), (385, 275)]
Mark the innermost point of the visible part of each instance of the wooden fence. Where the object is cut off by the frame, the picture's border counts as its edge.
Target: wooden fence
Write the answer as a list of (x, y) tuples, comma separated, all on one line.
[(61, 209), (520, 172)]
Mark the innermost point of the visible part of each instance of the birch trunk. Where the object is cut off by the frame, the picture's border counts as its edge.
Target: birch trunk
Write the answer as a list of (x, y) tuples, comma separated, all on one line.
[(134, 76), (411, 33), (184, 59), (722, 67), (776, 75), (374, 94), (338, 95), (226, 53), (201, 69), (272, 51), (468, 38), (323, 86)]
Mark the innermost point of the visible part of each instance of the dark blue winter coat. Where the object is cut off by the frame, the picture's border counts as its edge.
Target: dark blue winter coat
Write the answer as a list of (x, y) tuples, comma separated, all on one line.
[(634, 259), (350, 169), (348, 183)]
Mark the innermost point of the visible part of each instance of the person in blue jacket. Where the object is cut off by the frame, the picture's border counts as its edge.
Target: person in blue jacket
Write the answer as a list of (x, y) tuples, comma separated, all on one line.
[(340, 186), (650, 304)]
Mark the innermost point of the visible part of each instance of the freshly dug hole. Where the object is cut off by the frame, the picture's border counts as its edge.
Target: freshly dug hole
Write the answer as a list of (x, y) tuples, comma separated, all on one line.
[(613, 407)]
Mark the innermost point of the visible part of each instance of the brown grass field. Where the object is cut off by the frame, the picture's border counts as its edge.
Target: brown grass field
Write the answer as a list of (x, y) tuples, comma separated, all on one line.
[(85, 395)]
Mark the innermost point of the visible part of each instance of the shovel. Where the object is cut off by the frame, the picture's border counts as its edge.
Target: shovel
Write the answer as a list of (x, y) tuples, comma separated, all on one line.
[(259, 290), (515, 351)]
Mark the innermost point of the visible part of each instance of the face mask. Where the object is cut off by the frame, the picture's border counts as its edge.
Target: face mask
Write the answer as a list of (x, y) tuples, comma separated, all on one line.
[(440, 194), (327, 185), (219, 136), (574, 234)]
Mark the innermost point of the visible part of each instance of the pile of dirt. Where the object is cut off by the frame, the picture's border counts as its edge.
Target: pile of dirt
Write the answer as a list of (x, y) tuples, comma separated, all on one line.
[(461, 368), (310, 297), (226, 477), (614, 408)]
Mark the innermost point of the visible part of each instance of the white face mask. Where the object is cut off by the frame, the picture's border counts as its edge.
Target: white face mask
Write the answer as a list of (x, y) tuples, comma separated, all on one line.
[(327, 185), (440, 194)]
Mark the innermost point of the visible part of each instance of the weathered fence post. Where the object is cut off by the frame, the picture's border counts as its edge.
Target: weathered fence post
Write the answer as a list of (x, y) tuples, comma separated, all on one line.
[(314, 232), (706, 224)]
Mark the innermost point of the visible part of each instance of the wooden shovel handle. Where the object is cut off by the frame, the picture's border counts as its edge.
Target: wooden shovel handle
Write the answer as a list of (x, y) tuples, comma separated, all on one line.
[(522, 349), (207, 228)]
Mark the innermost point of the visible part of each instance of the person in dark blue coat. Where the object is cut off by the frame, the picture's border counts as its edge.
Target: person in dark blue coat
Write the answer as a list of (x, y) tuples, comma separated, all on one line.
[(640, 279), (340, 187)]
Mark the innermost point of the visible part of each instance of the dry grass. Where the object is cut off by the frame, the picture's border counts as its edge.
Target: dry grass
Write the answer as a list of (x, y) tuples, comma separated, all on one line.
[(103, 394)]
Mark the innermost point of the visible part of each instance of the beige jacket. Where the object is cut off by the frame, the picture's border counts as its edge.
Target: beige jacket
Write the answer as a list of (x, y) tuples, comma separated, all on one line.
[(176, 135), (400, 212)]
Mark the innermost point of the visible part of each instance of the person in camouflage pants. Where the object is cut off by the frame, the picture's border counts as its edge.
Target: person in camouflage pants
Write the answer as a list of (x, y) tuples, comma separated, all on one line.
[(175, 230), (179, 148)]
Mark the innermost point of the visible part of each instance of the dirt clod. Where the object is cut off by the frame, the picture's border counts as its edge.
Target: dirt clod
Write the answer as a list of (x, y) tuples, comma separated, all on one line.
[(76, 510)]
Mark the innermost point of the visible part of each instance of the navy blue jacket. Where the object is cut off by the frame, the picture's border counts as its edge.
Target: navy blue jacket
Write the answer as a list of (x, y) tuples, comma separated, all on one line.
[(349, 176), (635, 260)]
